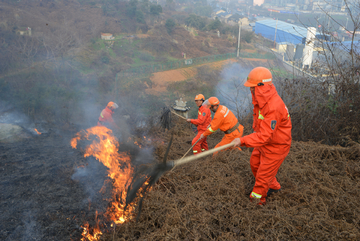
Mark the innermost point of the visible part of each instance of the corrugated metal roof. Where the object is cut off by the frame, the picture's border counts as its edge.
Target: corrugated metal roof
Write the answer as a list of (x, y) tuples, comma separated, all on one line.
[(346, 45), (284, 43), (284, 26)]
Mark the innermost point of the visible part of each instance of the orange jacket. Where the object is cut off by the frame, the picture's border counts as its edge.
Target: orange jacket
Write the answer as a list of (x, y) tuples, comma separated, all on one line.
[(106, 116), (224, 119), (203, 120), (272, 123)]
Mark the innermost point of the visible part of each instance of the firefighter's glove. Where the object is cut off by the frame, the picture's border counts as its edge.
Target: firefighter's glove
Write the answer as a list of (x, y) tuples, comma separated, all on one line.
[(188, 120), (201, 136), (236, 142)]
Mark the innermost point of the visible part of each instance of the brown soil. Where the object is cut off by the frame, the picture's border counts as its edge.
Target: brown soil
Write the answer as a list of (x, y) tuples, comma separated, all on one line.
[(160, 80), (249, 50)]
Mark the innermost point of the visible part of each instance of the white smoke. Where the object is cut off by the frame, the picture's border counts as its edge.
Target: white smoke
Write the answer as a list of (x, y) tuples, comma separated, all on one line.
[(92, 177), (231, 90)]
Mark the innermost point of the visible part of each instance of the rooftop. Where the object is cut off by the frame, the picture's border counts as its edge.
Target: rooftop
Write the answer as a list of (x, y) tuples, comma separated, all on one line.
[(284, 26)]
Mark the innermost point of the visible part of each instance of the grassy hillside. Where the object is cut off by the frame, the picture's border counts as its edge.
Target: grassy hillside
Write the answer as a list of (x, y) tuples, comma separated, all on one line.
[(65, 63)]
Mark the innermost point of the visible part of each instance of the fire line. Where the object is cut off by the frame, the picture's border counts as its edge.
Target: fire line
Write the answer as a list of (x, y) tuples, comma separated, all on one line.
[(105, 149)]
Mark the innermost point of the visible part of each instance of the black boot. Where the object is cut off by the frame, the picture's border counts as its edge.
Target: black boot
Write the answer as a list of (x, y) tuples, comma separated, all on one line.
[(271, 191)]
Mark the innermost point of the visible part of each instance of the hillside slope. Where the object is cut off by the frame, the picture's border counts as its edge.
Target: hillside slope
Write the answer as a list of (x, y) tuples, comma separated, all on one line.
[(50, 190), (208, 199)]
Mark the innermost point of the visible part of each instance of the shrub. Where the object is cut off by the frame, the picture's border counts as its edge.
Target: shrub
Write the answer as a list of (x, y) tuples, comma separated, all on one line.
[(195, 21), (170, 25), (215, 24), (247, 36), (322, 111), (146, 57), (105, 59)]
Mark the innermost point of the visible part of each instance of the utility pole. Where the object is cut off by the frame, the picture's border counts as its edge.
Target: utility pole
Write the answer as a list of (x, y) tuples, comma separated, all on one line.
[(275, 33), (238, 49)]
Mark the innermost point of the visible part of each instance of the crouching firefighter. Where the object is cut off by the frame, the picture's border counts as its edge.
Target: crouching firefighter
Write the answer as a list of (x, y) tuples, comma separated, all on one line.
[(271, 139), (224, 120), (202, 122), (105, 118)]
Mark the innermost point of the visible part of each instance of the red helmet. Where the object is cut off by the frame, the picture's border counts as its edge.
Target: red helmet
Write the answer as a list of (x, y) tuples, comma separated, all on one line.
[(258, 75), (199, 97), (214, 101)]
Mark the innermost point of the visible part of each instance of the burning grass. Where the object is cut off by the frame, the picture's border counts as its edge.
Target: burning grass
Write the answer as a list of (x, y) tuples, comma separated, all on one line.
[(105, 148)]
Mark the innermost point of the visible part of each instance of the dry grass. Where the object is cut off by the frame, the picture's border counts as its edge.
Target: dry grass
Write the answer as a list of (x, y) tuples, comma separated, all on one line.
[(208, 199)]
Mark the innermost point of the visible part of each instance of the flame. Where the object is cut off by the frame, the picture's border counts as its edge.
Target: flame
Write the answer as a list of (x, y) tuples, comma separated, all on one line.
[(39, 133), (105, 149), (136, 143), (95, 232)]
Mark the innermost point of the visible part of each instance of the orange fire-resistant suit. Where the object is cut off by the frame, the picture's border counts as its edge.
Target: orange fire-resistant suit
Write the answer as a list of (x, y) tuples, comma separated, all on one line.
[(105, 118), (226, 121), (271, 139), (202, 122)]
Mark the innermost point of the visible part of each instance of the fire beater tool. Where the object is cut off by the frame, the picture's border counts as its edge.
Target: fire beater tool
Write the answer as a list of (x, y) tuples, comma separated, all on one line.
[(165, 119), (157, 171), (178, 115), (190, 148)]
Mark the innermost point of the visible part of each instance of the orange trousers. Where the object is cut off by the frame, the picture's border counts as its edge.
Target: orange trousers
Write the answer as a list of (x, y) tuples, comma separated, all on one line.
[(228, 138), (264, 170), (201, 145)]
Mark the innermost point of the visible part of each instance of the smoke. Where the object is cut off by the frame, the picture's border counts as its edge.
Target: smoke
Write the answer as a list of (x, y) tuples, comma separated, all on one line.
[(28, 229), (231, 90), (92, 177), (88, 113), (31, 231), (144, 156), (10, 115)]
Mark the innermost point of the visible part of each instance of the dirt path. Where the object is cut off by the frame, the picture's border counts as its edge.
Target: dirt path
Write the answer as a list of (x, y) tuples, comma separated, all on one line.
[(161, 80)]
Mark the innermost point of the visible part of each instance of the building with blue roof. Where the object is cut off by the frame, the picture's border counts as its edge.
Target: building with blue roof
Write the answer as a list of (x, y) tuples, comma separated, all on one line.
[(285, 32)]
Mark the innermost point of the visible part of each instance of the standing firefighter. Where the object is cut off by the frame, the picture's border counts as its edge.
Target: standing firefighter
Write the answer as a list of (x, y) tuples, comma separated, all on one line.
[(202, 122), (105, 118), (271, 139), (224, 120)]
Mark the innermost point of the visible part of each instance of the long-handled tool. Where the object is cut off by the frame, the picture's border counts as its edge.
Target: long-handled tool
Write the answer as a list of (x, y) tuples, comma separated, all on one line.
[(165, 119), (181, 161), (190, 148), (158, 170), (178, 115)]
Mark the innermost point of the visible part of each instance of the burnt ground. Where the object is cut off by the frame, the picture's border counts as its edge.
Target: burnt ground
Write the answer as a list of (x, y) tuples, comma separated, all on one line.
[(44, 197), (39, 198)]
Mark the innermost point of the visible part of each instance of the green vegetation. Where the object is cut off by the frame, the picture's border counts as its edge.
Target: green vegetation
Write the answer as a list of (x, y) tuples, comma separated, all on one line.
[(195, 21), (170, 25), (155, 9)]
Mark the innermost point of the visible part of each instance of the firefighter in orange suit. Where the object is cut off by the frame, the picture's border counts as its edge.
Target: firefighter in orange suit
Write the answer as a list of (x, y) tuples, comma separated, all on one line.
[(224, 120), (271, 139), (105, 118), (202, 122)]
